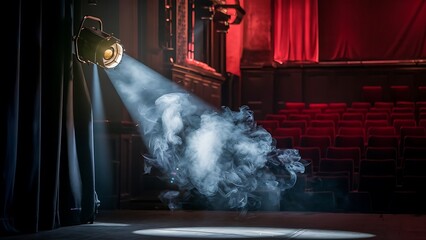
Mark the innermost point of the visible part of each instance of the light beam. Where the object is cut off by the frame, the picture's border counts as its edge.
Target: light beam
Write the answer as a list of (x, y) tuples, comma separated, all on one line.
[(217, 153)]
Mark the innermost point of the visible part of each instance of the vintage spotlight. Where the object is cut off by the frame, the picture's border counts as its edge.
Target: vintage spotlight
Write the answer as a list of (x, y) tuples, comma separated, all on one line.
[(93, 45)]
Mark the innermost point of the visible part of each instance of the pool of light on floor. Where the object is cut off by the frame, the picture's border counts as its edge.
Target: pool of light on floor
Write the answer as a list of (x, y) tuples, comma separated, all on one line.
[(252, 232), (105, 224)]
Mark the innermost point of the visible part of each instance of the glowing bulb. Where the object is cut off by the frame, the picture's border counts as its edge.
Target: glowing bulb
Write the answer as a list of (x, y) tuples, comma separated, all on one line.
[(109, 53)]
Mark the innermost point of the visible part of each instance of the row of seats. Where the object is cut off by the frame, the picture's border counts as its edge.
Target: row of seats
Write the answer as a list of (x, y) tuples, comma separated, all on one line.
[(383, 158), (378, 161), (289, 135), (373, 93), (356, 110), (318, 122)]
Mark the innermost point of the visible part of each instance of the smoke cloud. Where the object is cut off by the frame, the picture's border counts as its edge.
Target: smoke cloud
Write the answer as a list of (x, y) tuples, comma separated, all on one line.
[(214, 153)]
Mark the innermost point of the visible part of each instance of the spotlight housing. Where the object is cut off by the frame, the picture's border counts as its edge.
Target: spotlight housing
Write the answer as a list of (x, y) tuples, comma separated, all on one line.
[(93, 45)]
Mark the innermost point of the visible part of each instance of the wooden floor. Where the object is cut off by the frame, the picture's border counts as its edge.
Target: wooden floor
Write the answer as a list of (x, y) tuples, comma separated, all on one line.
[(185, 224)]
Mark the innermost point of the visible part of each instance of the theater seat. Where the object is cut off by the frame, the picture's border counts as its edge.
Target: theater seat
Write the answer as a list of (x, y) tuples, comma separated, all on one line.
[(421, 93), (284, 142), (350, 141), (279, 117), (410, 134), (293, 132), (377, 175), (350, 123), (332, 165), (302, 124), (359, 116), (372, 94), (353, 153), (268, 125), (322, 131), (312, 154), (295, 105), (362, 105), (381, 131), (400, 93), (322, 142), (398, 123)]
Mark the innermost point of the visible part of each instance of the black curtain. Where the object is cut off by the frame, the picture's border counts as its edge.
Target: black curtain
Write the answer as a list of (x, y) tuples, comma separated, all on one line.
[(47, 171)]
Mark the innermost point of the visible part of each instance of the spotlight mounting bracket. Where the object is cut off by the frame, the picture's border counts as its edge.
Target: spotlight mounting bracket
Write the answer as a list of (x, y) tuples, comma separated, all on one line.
[(93, 45), (79, 31)]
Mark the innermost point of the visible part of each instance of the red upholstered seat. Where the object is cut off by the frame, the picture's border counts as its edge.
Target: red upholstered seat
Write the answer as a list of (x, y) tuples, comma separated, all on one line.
[(353, 153), (375, 123), (383, 105), (284, 142), (310, 153), (362, 105), (354, 116), (321, 106), (351, 131), (372, 93), (377, 116), (400, 93), (269, 125), (421, 93), (322, 131), (337, 105), (405, 104), (381, 131), (323, 123), (335, 117), (412, 133), (377, 175), (403, 110), (413, 141), (288, 111), (332, 165), (350, 141), (401, 115), (398, 123), (350, 123), (311, 111), (322, 142), (299, 116), (278, 117), (302, 124), (422, 122), (294, 105), (293, 132), (381, 153)]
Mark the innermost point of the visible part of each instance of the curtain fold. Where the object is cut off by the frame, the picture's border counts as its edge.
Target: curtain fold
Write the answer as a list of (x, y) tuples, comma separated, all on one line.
[(295, 31), (36, 170), (372, 30), (83, 129)]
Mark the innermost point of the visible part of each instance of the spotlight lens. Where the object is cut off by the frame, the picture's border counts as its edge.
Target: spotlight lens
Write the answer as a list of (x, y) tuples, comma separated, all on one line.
[(112, 55), (109, 53)]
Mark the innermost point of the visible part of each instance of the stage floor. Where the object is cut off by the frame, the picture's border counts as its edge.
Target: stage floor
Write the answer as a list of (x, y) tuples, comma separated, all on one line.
[(183, 224)]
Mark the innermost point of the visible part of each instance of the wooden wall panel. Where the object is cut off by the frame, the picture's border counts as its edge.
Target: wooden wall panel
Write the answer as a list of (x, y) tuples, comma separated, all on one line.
[(287, 87), (205, 85), (318, 86), (266, 89), (257, 92), (348, 85)]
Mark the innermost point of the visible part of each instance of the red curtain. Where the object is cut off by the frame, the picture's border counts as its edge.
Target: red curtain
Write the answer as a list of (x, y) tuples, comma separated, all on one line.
[(295, 31), (372, 30)]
